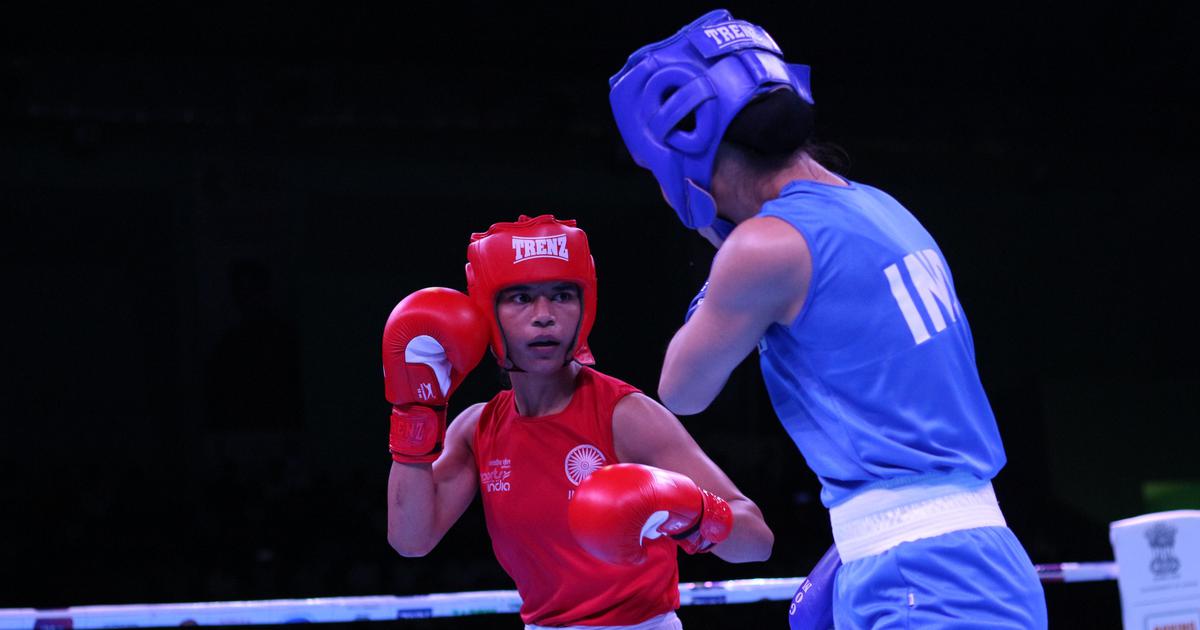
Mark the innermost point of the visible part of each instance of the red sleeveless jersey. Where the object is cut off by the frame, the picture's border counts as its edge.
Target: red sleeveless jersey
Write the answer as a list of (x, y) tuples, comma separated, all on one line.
[(528, 469)]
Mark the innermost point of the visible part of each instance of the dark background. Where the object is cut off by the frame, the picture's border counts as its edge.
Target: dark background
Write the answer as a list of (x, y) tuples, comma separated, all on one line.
[(208, 213)]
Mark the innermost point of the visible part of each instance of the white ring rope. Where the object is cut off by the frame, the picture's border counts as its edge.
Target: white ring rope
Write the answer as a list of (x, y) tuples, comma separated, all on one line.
[(387, 607)]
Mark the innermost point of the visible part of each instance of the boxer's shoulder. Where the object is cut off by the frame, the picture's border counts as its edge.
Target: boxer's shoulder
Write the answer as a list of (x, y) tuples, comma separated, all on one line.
[(462, 429), (766, 262)]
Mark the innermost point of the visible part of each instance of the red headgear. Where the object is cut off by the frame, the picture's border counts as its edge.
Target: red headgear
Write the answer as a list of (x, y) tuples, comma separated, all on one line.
[(526, 251)]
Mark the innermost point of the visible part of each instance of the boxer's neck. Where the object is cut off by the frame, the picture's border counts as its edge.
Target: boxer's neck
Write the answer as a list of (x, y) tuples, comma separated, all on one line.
[(803, 168), (740, 192), (544, 394)]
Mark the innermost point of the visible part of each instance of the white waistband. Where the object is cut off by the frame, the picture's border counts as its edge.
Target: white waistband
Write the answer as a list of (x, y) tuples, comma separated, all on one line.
[(877, 519), (665, 621)]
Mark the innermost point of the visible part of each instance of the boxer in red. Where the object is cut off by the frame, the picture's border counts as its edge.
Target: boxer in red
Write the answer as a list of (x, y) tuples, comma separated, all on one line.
[(601, 554)]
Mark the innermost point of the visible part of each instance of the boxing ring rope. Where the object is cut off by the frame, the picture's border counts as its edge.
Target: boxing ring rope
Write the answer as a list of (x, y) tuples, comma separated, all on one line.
[(387, 607)]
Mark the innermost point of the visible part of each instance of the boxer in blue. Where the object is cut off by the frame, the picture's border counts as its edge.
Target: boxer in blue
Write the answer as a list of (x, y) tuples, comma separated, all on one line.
[(864, 346)]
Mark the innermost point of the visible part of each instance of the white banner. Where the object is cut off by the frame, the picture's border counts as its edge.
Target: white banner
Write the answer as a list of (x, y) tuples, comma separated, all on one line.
[(1159, 559)]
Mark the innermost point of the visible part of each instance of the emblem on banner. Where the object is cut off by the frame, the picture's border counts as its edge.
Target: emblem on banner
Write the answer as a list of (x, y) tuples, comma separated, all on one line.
[(1162, 541)]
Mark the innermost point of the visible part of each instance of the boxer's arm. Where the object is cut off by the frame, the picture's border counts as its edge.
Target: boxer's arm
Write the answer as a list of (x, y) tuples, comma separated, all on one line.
[(644, 432), (424, 500), (759, 277)]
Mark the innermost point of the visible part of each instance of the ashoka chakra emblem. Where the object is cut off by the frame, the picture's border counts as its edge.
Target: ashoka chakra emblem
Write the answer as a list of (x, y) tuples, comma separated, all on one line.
[(581, 461)]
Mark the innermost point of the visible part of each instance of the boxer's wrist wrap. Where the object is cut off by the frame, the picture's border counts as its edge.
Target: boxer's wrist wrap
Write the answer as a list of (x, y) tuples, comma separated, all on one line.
[(417, 433), (713, 526)]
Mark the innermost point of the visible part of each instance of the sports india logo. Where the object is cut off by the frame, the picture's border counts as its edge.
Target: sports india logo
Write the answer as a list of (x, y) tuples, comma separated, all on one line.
[(527, 248), (497, 478), (581, 461)]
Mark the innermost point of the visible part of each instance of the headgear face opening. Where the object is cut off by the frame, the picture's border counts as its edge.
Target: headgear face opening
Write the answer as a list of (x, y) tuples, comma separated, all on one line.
[(527, 251), (675, 98)]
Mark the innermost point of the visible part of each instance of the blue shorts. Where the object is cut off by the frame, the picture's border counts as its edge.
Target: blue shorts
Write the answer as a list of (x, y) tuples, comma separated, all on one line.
[(975, 578)]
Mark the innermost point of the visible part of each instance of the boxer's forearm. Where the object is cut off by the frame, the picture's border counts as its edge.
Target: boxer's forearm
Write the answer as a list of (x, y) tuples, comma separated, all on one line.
[(689, 382), (425, 500), (751, 540), (411, 509)]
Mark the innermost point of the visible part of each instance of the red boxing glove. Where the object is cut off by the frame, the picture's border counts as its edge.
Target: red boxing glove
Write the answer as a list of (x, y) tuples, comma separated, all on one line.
[(432, 339), (618, 506)]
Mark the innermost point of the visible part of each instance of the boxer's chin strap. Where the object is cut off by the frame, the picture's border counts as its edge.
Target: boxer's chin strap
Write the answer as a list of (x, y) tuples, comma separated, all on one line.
[(722, 227), (509, 365)]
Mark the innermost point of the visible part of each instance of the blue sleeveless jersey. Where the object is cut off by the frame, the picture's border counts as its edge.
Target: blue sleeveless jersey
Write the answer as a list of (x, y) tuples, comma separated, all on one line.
[(875, 380)]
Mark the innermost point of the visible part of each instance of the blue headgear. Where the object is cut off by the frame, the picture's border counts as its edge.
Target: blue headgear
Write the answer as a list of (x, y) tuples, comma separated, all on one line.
[(674, 100)]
